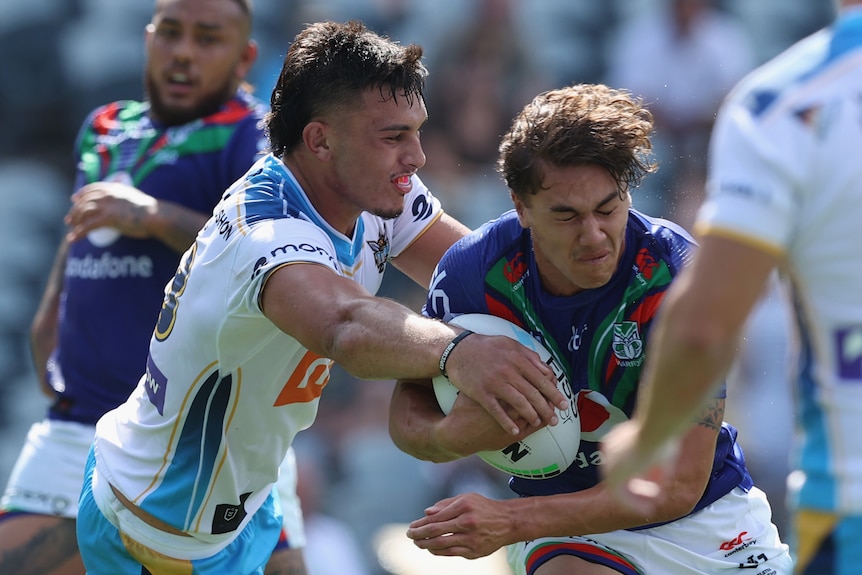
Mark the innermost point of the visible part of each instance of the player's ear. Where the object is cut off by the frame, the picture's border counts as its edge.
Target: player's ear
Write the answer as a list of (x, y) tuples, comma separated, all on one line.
[(520, 209), (314, 136)]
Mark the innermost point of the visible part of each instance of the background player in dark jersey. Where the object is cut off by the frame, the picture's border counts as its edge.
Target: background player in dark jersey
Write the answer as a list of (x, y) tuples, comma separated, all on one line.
[(585, 273), (148, 176)]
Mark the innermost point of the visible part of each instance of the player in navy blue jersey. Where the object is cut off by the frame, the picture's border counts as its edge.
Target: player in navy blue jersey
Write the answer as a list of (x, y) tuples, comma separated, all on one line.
[(148, 175), (575, 265)]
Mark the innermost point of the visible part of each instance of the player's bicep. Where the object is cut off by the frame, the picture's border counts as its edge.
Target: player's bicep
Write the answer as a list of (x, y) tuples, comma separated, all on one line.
[(308, 301)]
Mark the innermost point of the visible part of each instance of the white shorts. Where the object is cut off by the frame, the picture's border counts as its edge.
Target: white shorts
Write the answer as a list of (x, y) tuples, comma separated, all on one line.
[(736, 532), (49, 473), (290, 505)]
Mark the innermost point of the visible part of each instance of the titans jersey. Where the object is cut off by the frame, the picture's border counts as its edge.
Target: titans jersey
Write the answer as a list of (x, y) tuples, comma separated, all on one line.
[(597, 335), (786, 177), (114, 284), (199, 442)]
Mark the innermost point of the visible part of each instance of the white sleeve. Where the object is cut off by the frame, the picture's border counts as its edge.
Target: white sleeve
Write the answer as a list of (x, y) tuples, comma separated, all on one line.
[(421, 209)]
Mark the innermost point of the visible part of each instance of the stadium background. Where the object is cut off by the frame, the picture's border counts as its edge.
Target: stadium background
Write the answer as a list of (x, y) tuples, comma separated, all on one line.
[(61, 58)]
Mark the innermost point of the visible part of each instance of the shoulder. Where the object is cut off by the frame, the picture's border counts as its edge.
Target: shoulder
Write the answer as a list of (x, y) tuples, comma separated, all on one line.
[(666, 240), (488, 243)]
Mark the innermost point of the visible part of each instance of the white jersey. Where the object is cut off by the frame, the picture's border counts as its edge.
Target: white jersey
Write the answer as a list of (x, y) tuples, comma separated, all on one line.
[(199, 442), (786, 176)]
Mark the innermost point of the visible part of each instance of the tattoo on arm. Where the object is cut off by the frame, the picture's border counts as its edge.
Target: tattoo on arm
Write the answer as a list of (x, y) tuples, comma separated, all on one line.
[(712, 414)]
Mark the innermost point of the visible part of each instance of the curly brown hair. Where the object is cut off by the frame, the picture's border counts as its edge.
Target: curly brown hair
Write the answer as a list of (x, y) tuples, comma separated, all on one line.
[(579, 124), (329, 65)]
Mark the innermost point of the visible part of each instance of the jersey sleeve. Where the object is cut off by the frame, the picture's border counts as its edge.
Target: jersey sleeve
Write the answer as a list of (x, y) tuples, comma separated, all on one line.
[(421, 209), (755, 166), (457, 285), (273, 244)]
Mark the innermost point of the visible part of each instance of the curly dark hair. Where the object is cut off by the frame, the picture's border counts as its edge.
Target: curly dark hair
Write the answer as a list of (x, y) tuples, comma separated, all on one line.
[(330, 64), (579, 124)]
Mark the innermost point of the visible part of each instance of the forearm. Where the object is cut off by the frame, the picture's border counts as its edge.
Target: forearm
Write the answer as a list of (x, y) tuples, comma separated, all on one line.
[(43, 328), (175, 225), (413, 414), (687, 367), (586, 512)]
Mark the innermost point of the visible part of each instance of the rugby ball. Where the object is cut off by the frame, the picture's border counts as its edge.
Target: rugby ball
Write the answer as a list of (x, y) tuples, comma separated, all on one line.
[(546, 452)]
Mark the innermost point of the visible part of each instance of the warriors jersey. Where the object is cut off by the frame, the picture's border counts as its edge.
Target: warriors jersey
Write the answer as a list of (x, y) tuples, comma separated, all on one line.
[(597, 335), (785, 177), (199, 442), (113, 280)]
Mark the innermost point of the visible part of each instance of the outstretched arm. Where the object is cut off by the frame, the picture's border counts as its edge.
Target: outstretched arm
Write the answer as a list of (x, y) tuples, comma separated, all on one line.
[(692, 347), (473, 526), (377, 338)]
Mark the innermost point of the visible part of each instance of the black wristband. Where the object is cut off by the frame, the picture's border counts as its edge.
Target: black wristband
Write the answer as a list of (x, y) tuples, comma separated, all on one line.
[(445, 356)]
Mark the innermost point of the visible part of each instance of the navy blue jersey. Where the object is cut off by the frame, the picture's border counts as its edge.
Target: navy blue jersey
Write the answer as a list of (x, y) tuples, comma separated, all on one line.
[(598, 335), (113, 284)]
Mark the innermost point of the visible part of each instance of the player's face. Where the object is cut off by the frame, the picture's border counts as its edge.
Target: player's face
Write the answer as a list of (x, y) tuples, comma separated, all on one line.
[(197, 54), (578, 224), (375, 148)]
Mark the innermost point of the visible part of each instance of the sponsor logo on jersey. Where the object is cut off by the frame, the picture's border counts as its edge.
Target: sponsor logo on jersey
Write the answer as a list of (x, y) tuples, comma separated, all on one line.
[(515, 269), (646, 263), (597, 414), (738, 543), (155, 383), (577, 337), (307, 381), (108, 266), (380, 248), (421, 208)]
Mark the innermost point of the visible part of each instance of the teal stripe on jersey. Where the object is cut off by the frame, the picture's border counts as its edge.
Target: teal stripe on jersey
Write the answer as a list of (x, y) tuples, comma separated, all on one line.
[(196, 455)]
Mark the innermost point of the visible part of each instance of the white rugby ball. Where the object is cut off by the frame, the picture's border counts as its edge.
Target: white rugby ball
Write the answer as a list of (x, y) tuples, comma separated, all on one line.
[(546, 452)]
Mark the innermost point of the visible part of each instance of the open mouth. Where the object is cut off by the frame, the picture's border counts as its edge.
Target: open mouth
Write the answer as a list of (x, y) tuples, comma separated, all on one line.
[(403, 183)]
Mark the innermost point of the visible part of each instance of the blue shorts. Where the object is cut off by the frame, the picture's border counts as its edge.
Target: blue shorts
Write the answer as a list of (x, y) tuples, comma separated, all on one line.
[(826, 544), (105, 550)]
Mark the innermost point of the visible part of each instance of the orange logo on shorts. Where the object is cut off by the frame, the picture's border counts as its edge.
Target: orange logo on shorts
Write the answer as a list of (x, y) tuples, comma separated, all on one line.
[(307, 381)]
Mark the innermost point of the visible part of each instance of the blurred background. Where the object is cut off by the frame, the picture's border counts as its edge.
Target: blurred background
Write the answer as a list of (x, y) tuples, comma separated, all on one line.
[(487, 58)]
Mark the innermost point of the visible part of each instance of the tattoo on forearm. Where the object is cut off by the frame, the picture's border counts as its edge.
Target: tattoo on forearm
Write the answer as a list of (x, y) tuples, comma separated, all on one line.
[(712, 414)]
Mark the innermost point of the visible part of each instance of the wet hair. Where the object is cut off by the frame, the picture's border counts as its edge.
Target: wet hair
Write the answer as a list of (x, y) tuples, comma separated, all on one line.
[(577, 125), (328, 66)]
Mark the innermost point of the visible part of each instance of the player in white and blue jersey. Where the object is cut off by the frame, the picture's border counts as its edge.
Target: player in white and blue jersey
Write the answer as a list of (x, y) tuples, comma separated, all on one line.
[(277, 286), (784, 192)]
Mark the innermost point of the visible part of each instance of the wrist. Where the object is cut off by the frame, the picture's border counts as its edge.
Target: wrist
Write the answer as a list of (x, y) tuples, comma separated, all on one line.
[(444, 357)]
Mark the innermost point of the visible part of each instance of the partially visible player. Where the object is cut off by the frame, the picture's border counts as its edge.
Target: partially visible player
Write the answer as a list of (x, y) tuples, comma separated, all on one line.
[(148, 175), (277, 286), (581, 270), (784, 193)]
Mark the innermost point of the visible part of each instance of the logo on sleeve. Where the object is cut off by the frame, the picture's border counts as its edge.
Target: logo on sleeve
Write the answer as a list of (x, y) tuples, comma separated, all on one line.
[(156, 383), (848, 346)]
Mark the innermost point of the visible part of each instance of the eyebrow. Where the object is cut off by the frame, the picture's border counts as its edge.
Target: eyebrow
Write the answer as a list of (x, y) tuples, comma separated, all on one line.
[(204, 25), (568, 209)]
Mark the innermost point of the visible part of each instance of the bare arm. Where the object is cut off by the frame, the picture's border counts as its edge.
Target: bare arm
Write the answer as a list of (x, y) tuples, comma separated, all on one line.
[(692, 347), (418, 427), (472, 526), (418, 261), (133, 213), (43, 328), (377, 338)]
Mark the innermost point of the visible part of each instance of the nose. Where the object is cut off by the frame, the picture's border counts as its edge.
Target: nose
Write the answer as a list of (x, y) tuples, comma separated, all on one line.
[(182, 48), (591, 230), (415, 155)]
